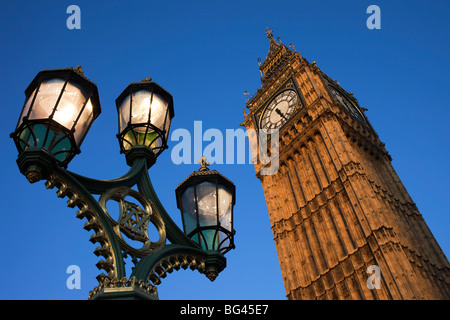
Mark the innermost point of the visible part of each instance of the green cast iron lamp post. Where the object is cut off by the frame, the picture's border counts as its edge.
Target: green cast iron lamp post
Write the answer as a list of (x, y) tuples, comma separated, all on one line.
[(60, 106)]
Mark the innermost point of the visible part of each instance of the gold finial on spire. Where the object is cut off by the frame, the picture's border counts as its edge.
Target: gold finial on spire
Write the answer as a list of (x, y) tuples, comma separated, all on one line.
[(269, 33), (292, 47), (147, 79), (203, 164), (246, 95)]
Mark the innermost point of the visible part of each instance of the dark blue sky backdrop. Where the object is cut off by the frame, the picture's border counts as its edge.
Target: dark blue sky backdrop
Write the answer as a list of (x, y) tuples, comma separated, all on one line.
[(205, 54)]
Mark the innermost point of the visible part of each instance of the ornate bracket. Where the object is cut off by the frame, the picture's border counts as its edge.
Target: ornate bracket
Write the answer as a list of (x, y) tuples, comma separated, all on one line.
[(153, 260)]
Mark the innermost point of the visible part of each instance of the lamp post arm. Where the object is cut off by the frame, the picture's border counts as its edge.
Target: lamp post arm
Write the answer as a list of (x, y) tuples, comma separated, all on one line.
[(173, 232), (96, 186)]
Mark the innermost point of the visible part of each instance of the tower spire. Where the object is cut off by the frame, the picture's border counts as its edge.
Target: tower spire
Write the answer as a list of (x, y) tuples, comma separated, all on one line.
[(278, 54)]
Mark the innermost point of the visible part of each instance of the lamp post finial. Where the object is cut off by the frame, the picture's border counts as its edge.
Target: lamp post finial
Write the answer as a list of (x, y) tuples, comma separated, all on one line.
[(203, 164)]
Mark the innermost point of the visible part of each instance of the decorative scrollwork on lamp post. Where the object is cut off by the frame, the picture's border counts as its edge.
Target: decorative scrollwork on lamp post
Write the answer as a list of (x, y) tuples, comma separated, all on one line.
[(133, 220), (60, 107)]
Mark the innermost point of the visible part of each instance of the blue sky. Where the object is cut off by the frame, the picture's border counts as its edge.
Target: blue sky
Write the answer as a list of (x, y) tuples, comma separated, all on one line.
[(205, 54)]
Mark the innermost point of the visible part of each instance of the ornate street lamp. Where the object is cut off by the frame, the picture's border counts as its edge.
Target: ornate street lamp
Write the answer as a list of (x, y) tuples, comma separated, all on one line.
[(60, 106), (206, 200)]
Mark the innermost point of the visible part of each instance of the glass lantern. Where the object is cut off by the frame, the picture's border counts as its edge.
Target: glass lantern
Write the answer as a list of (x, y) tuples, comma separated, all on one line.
[(206, 199), (145, 112), (60, 107)]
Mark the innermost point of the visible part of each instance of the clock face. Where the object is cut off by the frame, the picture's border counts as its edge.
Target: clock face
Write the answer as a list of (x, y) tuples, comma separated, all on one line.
[(347, 104), (279, 110)]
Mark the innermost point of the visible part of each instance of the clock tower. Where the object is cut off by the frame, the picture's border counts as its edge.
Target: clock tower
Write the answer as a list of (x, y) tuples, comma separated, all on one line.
[(343, 223)]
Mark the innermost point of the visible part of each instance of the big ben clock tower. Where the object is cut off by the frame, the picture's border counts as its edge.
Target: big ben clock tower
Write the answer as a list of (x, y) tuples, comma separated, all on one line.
[(343, 223)]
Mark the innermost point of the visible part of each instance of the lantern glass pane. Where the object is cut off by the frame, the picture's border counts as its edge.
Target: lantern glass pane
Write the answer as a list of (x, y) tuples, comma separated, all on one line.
[(46, 98), (167, 125), (189, 211), (70, 105), (225, 206), (157, 143), (143, 104), (141, 107), (124, 114), (207, 209), (158, 111), (26, 107), (209, 239), (135, 137), (224, 240), (84, 122)]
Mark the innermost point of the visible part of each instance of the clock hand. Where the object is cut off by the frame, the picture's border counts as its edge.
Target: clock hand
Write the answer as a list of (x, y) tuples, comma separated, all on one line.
[(280, 114)]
